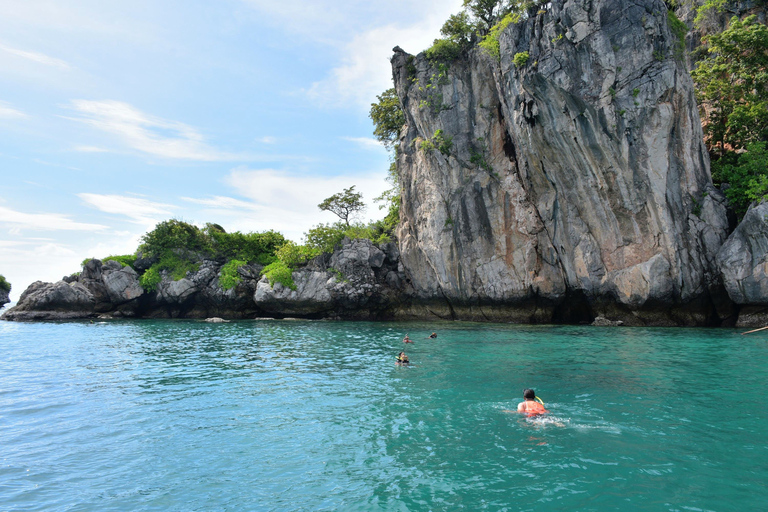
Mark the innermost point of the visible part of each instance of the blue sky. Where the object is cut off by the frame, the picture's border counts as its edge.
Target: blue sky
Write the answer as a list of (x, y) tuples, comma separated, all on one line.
[(116, 115)]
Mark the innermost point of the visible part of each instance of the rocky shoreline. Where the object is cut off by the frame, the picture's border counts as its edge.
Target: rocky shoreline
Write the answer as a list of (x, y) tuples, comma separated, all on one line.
[(360, 281), (571, 186)]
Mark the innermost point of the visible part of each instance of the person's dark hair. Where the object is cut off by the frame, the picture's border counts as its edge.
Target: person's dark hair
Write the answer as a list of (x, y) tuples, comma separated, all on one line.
[(529, 394)]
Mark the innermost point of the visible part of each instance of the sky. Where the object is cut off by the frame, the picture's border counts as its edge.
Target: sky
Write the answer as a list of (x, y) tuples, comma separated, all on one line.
[(117, 115)]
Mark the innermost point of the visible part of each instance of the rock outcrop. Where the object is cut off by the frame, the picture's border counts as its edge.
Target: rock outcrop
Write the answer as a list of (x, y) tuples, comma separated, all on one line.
[(357, 281), (743, 261), (4, 297), (571, 186)]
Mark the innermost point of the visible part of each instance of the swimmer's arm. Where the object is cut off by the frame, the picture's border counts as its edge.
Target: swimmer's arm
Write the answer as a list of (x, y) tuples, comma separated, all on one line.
[(521, 407)]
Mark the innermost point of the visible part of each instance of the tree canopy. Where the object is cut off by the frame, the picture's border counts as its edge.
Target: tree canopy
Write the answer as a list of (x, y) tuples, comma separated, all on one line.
[(387, 117), (344, 204), (732, 85)]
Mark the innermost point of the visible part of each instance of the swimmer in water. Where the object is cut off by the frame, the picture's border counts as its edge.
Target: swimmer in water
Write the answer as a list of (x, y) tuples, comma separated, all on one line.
[(407, 339), (433, 335), (402, 359), (530, 406)]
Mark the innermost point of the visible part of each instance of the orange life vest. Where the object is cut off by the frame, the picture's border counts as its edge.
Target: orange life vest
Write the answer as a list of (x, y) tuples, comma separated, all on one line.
[(532, 408)]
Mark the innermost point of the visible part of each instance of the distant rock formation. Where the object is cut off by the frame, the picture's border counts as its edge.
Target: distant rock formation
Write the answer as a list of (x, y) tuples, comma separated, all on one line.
[(358, 281), (4, 297)]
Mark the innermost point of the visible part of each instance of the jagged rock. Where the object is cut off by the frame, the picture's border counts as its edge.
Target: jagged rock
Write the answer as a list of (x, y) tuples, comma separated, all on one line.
[(571, 184), (356, 281), (311, 297), (4, 297), (53, 301), (601, 321), (122, 284), (743, 261), (176, 292)]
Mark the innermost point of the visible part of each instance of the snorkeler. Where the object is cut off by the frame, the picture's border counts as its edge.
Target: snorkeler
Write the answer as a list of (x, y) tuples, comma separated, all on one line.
[(530, 406), (433, 335), (407, 339), (402, 359)]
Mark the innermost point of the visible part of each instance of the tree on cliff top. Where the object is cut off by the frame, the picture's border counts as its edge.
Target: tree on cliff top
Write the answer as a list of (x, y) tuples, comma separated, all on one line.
[(344, 204), (4, 285), (732, 85), (387, 117), (732, 88)]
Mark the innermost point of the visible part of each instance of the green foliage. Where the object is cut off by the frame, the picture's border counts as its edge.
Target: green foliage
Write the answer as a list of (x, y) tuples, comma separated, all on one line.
[(339, 275), (387, 117), (126, 260), (520, 59), (344, 205), (249, 247), (706, 15), (173, 234), (658, 55), (426, 145), (433, 96), (4, 285), (294, 255), (443, 142), (612, 92), (746, 175), (325, 237), (443, 50), (228, 275), (635, 92), (458, 29), (176, 265), (733, 83), (150, 279), (490, 43), (439, 141), (679, 29), (279, 272)]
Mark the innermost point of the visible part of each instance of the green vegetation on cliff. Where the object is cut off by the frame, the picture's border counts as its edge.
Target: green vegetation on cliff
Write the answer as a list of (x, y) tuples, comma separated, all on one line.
[(4, 285), (732, 85)]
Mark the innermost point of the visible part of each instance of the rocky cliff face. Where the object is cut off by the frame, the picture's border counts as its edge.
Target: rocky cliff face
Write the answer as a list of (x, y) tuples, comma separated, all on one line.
[(574, 185), (743, 260)]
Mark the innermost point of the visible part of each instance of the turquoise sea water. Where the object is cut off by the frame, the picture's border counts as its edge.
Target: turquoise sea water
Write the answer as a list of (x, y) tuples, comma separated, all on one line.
[(287, 415)]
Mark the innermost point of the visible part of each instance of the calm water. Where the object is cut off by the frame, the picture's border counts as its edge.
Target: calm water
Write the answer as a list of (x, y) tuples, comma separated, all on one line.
[(281, 415)]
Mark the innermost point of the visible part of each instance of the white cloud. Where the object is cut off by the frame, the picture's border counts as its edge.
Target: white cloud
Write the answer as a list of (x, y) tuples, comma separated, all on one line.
[(367, 143), (44, 221), (147, 133), (224, 203), (365, 70), (284, 201), (8, 112), (139, 210), (364, 34), (40, 58), (267, 140)]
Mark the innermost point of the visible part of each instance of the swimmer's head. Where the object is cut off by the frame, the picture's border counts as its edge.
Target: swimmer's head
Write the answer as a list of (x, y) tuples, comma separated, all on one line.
[(529, 394)]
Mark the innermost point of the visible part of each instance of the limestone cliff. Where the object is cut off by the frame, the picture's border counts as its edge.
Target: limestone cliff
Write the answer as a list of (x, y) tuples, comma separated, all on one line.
[(574, 185)]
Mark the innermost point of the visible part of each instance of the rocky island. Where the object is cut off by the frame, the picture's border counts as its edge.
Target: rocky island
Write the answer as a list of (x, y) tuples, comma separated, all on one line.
[(555, 172)]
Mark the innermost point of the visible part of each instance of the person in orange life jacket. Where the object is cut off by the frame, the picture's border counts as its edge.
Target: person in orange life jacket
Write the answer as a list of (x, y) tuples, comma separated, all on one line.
[(530, 406)]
